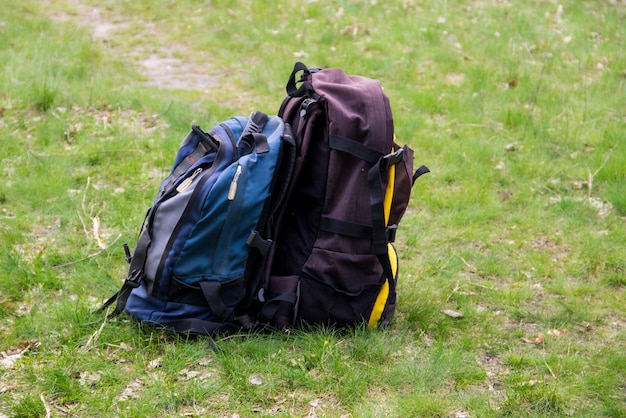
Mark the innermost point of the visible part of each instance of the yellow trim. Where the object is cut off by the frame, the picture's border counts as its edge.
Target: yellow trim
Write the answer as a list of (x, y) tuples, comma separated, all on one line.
[(379, 305), (393, 259), (383, 295), (389, 192)]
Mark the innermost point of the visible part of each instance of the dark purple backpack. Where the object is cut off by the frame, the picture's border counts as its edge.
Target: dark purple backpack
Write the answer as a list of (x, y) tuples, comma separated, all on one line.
[(330, 257)]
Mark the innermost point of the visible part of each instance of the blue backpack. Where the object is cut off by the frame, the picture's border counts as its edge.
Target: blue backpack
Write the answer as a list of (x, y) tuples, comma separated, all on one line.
[(187, 270)]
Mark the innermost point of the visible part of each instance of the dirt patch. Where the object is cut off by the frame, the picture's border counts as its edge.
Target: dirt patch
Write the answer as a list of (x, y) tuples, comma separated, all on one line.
[(495, 369), (170, 73), (163, 69)]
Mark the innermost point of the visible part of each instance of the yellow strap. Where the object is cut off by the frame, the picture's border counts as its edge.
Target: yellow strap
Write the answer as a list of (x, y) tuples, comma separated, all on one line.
[(379, 306), (389, 192), (393, 259), (383, 295)]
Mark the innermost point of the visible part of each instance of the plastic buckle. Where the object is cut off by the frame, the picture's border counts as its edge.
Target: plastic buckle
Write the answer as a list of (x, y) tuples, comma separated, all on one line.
[(255, 240), (391, 233), (134, 279), (392, 159)]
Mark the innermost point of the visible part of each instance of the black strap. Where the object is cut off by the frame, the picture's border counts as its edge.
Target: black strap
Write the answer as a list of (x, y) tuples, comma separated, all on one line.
[(260, 240), (259, 140), (273, 306), (377, 201), (256, 123), (353, 229), (347, 228), (212, 291), (135, 275), (292, 84), (419, 172), (195, 326), (121, 296), (354, 148), (251, 135)]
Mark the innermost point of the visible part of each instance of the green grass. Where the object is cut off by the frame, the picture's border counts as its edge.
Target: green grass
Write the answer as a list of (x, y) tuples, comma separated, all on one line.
[(517, 108)]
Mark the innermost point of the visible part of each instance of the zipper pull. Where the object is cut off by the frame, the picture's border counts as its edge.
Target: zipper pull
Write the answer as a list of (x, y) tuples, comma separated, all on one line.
[(232, 190), (187, 182)]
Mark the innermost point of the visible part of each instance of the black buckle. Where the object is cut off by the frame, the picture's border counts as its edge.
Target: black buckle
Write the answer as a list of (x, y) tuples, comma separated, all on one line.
[(392, 159), (391, 233), (127, 254), (134, 279), (255, 240)]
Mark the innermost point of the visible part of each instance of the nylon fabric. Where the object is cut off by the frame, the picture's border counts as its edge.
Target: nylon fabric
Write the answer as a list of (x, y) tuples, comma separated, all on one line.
[(350, 188), (194, 251)]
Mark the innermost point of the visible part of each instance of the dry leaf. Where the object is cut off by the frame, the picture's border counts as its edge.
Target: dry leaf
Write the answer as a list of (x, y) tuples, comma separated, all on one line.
[(131, 391), (255, 379), (8, 362), (154, 364), (88, 378), (14, 354), (538, 340), (460, 414), (452, 314), (205, 360), (557, 332)]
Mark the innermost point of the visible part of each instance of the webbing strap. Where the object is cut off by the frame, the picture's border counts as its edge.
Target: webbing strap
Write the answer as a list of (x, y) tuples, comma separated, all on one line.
[(347, 228), (195, 326), (353, 229), (136, 273), (293, 89), (377, 201), (354, 148), (212, 291), (419, 172), (272, 307)]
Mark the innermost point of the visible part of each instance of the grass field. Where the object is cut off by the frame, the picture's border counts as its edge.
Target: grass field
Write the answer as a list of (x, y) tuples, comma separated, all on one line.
[(517, 107)]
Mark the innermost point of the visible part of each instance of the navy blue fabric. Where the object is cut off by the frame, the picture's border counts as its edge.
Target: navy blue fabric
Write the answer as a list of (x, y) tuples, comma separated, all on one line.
[(208, 242), (216, 249), (236, 126)]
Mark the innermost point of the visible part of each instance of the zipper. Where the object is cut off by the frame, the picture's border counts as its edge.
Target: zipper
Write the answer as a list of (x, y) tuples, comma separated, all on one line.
[(222, 138), (187, 182), (232, 190)]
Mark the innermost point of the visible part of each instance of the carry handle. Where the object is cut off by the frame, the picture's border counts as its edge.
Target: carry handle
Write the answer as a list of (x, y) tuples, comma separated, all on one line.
[(292, 85), (252, 136)]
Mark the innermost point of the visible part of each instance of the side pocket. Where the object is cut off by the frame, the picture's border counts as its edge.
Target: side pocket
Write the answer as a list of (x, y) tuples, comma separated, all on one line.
[(339, 288), (402, 187)]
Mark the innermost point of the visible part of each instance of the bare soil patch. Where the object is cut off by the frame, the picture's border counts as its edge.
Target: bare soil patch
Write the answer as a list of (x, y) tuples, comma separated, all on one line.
[(163, 64)]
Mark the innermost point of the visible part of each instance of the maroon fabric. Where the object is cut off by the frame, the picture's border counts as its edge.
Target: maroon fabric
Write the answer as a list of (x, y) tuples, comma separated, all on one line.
[(337, 276)]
